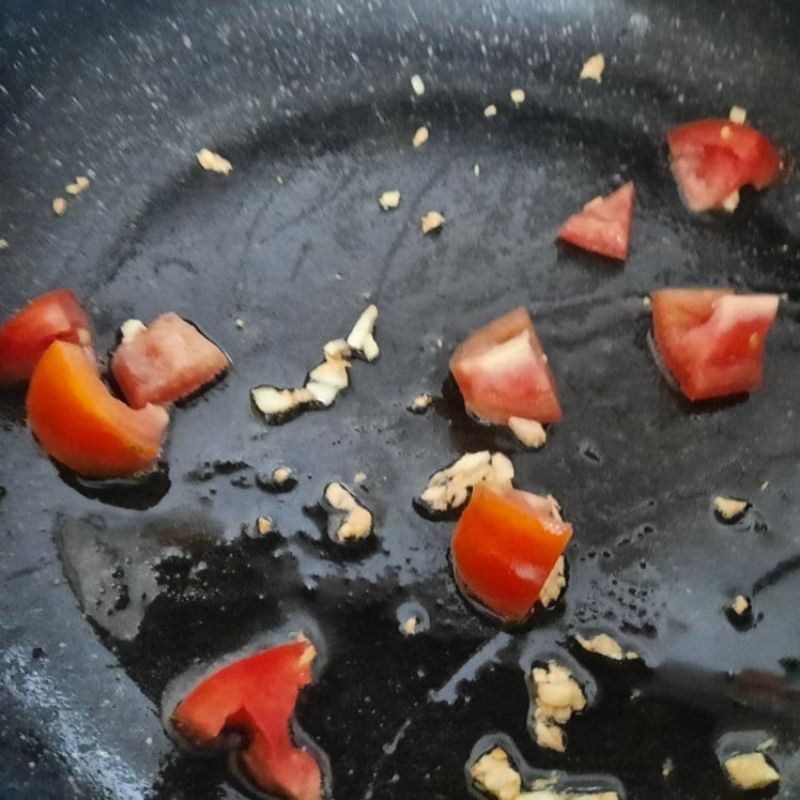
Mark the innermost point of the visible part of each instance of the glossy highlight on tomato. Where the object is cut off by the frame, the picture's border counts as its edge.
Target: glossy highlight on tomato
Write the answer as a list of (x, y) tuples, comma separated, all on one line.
[(604, 224), (504, 548), (257, 696), (502, 371), (56, 315), (714, 158), (712, 340), (82, 425)]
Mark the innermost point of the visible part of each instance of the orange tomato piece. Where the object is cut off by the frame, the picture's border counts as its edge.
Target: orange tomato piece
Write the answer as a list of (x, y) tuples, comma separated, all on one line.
[(505, 547), (82, 425)]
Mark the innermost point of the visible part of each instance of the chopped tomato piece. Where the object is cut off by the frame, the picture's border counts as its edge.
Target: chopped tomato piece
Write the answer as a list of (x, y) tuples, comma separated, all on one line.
[(505, 547), (257, 696), (713, 158), (23, 339), (712, 340), (166, 362), (604, 225), (502, 372), (82, 425)]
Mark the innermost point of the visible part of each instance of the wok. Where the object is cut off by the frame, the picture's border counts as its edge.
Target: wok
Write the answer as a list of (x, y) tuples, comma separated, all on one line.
[(108, 594)]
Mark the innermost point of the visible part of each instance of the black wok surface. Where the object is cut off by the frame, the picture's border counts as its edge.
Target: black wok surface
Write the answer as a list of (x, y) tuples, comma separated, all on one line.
[(107, 596)]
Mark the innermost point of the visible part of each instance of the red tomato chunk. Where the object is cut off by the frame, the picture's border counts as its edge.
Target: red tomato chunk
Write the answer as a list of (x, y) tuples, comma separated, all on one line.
[(57, 315), (502, 372), (712, 340), (257, 696), (714, 158), (166, 362), (604, 225), (505, 547)]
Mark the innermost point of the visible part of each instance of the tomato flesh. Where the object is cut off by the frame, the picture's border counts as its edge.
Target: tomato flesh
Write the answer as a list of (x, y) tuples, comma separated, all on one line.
[(56, 315), (257, 696), (166, 362), (82, 425), (604, 224), (502, 372), (712, 340), (713, 158), (504, 548)]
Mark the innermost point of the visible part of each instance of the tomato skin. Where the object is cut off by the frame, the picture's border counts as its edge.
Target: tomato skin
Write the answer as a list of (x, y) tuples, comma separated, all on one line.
[(502, 372), (712, 340), (257, 695), (504, 548), (604, 224), (166, 362), (82, 425), (25, 337), (713, 158)]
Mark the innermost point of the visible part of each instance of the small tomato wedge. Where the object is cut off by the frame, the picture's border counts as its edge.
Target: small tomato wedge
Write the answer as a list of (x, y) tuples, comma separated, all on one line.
[(713, 158), (82, 425), (505, 547), (712, 340), (166, 362), (604, 225), (56, 315), (257, 696), (502, 372)]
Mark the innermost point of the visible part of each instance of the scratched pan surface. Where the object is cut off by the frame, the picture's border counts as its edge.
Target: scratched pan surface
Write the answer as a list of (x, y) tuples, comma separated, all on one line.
[(109, 595)]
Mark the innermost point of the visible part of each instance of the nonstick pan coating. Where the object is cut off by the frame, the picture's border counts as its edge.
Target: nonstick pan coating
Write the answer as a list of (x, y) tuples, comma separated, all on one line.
[(107, 596)]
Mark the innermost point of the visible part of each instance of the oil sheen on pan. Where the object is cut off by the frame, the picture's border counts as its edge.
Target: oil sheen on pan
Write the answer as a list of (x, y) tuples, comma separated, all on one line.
[(112, 592)]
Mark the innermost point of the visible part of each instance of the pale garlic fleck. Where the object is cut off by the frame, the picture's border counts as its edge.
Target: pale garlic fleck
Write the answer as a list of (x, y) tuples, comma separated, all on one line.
[(729, 508), (731, 202), (409, 626), (449, 488), (264, 525), (604, 645), (389, 200), (361, 338), (738, 115), (530, 432), (81, 184), (348, 519), (421, 403), (59, 206), (558, 696), (418, 85), (130, 329), (213, 162), (740, 605), (432, 221), (555, 584), (420, 136), (593, 68), (490, 111), (494, 774), (751, 771)]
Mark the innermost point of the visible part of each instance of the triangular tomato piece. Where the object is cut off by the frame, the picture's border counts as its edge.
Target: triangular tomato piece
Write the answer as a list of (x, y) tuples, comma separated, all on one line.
[(604, 225)]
